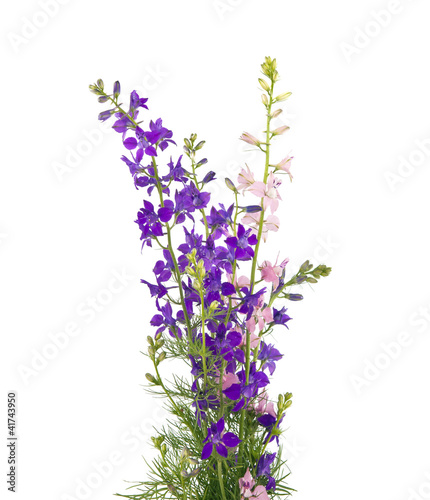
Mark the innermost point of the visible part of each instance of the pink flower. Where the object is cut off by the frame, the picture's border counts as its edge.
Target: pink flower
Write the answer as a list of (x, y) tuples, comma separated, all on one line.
[(259, 316), (250, 139), (269, 192), (271, 223), (285, 165), (245, 179), (246, 483), (271, 274), (239, 282), (254, 340), (259, 493), (263, 405)]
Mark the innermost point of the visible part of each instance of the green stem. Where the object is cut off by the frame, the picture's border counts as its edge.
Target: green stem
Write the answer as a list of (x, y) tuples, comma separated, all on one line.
[(220, 479), (172, 253), (254, 263)]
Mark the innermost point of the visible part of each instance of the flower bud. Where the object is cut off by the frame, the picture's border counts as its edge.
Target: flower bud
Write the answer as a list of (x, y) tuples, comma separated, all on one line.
[(103, 98), (250, 139), (280, 130), (264, 85), (210, 176), (294, 296), (276, 113), (283, 97), (151, 351), (185, 452), (150, 340), (171, 488), (193, 137), (162, 356), (188, 143), (230, 185), (100, 84), (194, 472), (116, 89), (264, 99), (305, 267), (150, 378), (201, 162), (199, 145), (252, 209)]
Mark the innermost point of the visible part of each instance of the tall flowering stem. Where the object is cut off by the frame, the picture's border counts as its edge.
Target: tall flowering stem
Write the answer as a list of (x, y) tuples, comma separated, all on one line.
[(216, 303)]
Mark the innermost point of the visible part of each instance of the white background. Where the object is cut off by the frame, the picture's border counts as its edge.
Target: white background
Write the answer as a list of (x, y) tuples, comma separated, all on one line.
[(359, 425)]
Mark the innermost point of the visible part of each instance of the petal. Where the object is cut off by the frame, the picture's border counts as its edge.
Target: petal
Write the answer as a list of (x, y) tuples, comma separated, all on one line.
[(130, 143), (233, 392), (207, 450), (220, 425), (227, 289), (221, 450), (230, 439)]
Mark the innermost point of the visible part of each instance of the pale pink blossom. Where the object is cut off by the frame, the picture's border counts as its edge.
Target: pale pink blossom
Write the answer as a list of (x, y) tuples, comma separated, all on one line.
[(259, 493), (250, 139), (259, 316), (245, 179), (242, 281), (254, 340), (285, 165), (270, 223), (246, 483), (263, 405), (271, 274), (269, 192)]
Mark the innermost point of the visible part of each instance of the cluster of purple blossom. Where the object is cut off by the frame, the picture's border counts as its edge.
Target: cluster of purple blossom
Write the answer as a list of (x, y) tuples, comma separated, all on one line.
[(219, 316)]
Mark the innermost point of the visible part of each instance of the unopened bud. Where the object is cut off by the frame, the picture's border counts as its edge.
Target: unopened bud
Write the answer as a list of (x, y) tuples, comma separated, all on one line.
[(116, 89), (251, 209), (210, 176), (264, 99), (264, 85), (276, 113), (280, 130), (283, 97), (199, 145), (150, 340), (100, 84), (150, 378), (230, 185), (162, 356)]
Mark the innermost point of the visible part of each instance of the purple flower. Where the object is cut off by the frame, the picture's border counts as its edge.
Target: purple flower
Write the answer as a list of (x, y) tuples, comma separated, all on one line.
[(269, 422), (136, 102), (159, 135), (268, 355), (149, 224), (221, 441), (263, 469), (256, 381), (241, 243), (249, 301), (280, 318), (166, 320)]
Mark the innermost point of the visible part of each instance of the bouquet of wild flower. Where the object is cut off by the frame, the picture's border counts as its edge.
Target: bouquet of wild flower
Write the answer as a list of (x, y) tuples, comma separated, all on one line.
[(217, 303)]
